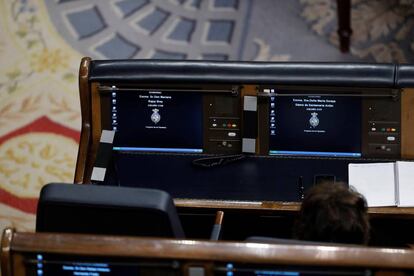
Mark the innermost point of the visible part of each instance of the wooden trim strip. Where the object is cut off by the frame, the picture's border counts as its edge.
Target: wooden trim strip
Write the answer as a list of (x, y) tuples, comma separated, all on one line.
[(96, 130), (407, 123), (6, 242), (85, 137), (192, 250), (281, 207)]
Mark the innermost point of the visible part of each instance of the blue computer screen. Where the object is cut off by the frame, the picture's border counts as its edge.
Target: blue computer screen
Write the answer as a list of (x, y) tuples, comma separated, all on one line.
[(312, 125), (154, 120)]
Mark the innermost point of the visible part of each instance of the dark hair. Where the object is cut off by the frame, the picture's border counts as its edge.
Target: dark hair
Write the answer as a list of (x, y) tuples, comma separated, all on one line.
[(331, 212)]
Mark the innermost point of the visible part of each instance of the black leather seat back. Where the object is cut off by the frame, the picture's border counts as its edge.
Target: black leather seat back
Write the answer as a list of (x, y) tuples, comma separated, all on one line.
[(73, 208)]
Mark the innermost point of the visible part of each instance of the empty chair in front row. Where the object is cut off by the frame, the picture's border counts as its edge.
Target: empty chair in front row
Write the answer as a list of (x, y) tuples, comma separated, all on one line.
[(111, 210)]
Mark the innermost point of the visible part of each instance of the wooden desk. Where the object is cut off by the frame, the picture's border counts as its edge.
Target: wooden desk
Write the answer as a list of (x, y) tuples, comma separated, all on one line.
[(390, 226), (283, 207), (95, 75)]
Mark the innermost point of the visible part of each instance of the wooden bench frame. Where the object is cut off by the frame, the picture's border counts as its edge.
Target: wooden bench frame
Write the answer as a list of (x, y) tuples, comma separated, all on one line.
[(16, 246)]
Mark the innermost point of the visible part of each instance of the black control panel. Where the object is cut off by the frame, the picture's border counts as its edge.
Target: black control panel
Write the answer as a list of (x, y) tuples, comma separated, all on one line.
[(223, 124), (382, 127)]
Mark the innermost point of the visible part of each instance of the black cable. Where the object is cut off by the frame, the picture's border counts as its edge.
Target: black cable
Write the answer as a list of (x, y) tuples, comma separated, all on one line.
[(209, 162)]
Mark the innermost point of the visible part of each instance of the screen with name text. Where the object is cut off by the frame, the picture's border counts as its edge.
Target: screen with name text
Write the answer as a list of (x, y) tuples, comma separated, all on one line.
[(314, 125), (157, 121)]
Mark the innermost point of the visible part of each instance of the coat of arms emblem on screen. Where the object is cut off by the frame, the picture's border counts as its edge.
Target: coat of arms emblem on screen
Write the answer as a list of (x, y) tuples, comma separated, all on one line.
[(314, 120), (155, 117)]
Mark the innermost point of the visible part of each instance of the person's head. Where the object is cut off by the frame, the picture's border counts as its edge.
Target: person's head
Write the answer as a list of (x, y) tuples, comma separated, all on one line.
[(331, 212)]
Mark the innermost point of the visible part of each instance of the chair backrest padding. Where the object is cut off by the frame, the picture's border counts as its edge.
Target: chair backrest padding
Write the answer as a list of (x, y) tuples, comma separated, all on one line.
[(292, 73), (405, 76), (74, 208)]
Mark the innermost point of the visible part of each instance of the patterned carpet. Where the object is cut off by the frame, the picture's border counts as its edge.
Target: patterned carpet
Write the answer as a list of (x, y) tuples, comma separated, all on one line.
[(42, 42)]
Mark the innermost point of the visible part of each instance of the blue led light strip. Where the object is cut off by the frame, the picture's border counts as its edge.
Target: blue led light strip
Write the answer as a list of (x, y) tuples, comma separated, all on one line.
[(158, 149), (315, 153)]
